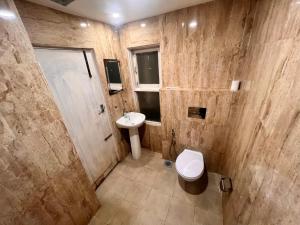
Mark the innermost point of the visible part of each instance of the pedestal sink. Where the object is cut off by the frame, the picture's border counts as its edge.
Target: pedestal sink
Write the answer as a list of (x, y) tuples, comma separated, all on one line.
[(133, 121)]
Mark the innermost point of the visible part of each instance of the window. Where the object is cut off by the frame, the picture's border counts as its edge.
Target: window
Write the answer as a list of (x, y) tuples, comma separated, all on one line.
[(149, 105), (146, 71)]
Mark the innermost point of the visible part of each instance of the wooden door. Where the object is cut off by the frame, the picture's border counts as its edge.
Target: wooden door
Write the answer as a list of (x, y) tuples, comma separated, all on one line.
[(74, 82)]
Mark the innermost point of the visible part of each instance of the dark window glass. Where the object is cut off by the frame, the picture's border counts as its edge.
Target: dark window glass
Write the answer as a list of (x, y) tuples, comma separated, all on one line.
[(148, 67), (149, 105)]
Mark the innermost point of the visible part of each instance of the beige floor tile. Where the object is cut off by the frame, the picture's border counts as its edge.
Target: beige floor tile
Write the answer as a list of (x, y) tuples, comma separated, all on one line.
[(128, 168), (183, 196), (145, 192), (165, 181), (105, 214), (146, 176), (110, 197), (145, 217), (138, 194), (106, 185), (126, 215), (145, 157), (109, 181), (157, 204), (155, 163), (180, 213), (147, 152), (213, 181), (118, 187), (94, 221), (210, 200), (139, 162), (204, 217)]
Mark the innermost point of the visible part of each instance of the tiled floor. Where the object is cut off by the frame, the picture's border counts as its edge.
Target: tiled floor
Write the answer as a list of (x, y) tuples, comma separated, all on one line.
[(145, 192)]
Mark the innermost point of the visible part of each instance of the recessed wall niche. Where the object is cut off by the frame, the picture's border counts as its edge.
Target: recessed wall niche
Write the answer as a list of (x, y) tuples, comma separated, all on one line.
[(197, 112)]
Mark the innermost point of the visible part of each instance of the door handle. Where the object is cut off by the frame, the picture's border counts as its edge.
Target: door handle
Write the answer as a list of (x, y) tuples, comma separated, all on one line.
[(110, 135), (102, 109)]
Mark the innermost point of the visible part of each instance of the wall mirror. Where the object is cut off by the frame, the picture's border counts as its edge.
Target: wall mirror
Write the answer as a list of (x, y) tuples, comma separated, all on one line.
[(112, 70)]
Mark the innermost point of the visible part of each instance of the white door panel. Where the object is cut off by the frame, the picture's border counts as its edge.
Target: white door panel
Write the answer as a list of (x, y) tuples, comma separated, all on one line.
[(78, 98)]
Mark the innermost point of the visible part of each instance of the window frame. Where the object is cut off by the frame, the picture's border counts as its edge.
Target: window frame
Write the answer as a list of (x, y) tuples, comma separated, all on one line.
[(145, 87), (137, 87)]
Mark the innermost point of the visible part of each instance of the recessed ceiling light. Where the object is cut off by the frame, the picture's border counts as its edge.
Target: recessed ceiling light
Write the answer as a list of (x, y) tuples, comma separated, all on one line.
[(83, 24), (115, 15), (6, 14), (193, 24), (143, 25)]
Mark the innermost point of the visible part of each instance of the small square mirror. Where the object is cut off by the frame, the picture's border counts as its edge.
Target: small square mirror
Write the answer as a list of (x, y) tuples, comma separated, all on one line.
[(112, 70)]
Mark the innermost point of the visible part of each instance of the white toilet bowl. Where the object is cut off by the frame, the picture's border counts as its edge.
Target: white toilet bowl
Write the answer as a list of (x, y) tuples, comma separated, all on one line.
[(190, 165)]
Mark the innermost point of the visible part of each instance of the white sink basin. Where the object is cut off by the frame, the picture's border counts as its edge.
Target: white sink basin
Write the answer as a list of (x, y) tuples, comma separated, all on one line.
[(131, 120)]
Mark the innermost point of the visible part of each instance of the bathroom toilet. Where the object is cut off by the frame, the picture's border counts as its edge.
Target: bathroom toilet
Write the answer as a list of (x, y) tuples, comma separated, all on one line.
[(192, 175)]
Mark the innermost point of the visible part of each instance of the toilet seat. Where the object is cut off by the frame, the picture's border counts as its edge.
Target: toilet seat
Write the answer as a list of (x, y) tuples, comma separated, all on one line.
[(190, 165)]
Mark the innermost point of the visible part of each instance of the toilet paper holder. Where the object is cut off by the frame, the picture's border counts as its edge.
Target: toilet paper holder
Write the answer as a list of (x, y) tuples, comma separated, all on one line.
[(226, 184)]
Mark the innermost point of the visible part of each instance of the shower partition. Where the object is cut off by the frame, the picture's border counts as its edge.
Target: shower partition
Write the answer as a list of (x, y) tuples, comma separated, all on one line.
[(74, 82)]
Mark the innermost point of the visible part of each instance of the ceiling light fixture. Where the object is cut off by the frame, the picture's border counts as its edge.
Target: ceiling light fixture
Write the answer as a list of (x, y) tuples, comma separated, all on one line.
[(193, 24), (7, 15), (143, 25), (83, 24), (115, 15)]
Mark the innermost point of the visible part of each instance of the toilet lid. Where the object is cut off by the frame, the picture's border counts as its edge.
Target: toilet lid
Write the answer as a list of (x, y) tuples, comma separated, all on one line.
[(190, 164)]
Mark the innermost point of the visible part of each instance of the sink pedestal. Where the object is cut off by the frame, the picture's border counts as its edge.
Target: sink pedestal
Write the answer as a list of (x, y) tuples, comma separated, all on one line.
[(132, 121), (135, 143)]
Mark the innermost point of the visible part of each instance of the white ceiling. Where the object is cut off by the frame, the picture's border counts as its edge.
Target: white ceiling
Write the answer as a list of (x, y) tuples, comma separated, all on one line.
[(126, 10)]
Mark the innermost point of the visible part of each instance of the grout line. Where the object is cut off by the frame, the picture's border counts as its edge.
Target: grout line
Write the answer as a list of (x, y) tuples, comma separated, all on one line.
[(165, 220)]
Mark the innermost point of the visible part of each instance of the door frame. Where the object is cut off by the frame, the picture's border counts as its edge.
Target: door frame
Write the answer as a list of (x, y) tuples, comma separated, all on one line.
[(99, 180)]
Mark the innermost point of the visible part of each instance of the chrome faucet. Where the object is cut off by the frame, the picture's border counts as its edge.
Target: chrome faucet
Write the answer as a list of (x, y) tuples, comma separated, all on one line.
[(125, 114)]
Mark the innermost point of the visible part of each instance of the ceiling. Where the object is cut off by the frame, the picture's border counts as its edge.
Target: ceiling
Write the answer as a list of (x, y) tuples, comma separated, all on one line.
[(118, 12)]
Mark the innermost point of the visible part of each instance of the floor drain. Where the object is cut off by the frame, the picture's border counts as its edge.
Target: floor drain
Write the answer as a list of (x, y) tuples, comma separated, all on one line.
[(168, 163)]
